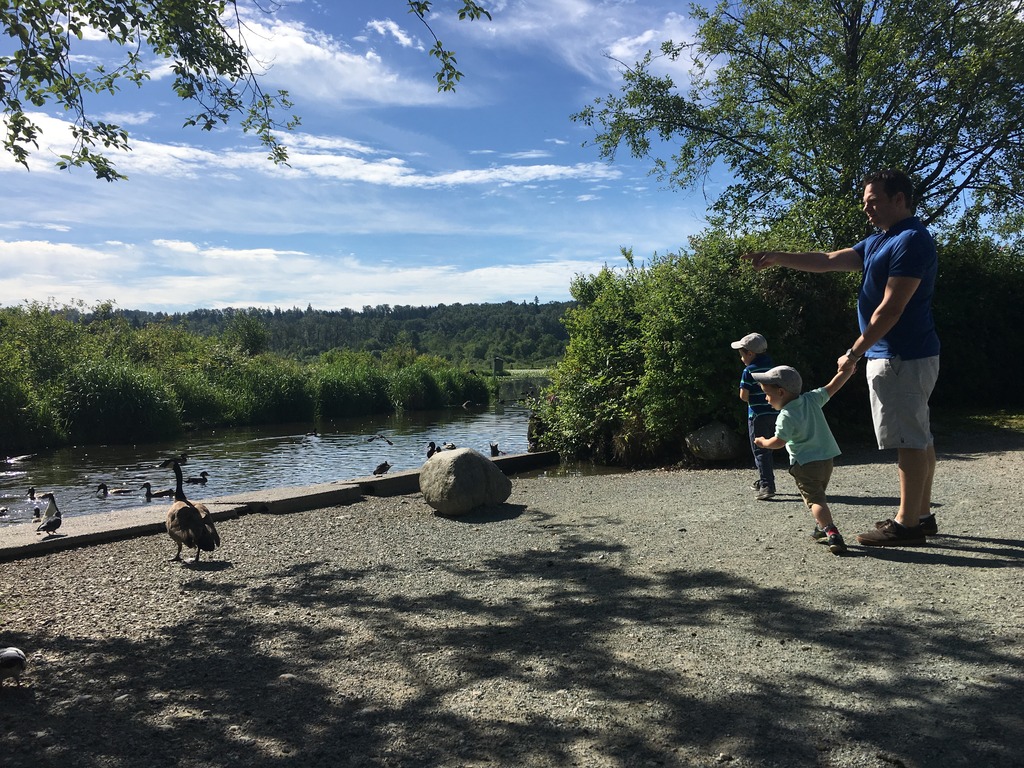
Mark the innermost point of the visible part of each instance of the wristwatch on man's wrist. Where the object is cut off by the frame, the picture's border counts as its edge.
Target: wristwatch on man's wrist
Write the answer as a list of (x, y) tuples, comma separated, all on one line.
[(849, 353)]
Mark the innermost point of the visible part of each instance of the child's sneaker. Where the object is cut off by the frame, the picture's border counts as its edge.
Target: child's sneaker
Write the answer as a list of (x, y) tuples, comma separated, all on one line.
[(836, 545), (818, 534), (756, 485)]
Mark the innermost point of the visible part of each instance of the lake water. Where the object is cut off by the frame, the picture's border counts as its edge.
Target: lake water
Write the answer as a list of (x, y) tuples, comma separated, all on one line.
[(251, 458)]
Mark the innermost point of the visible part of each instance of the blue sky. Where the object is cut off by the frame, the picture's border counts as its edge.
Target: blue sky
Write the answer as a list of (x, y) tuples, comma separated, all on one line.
[(396, 194)]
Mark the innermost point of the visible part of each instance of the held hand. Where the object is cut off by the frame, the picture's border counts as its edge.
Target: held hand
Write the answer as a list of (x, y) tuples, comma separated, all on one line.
[(760, 259), (847, 363), (759, 442)]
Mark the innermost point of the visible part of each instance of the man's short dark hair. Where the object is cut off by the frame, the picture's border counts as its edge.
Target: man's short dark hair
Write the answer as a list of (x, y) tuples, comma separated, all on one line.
[(893, 181)]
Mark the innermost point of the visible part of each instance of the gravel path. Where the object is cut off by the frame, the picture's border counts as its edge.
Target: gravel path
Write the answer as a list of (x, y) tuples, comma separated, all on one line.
[(641, 619)]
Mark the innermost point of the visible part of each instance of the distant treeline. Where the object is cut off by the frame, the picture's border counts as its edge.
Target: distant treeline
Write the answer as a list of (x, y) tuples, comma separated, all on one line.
[(528, 334)]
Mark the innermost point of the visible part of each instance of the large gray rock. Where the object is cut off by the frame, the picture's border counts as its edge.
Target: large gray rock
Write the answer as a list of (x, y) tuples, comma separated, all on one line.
[(455, 482), (716, 442)]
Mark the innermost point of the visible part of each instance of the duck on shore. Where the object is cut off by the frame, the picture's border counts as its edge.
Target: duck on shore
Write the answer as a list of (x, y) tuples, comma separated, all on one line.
[(12, 664), (52, 518)]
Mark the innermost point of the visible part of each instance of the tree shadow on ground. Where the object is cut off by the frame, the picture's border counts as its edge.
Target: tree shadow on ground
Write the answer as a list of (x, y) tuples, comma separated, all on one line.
[(453, 670)]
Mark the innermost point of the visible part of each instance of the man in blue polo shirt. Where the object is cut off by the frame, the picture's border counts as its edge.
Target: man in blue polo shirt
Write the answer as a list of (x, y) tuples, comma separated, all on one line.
[(898, 339)]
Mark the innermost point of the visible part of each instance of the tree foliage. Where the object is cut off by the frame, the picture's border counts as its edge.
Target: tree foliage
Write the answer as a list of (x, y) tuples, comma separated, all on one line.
[(799, 99), (204, 42)]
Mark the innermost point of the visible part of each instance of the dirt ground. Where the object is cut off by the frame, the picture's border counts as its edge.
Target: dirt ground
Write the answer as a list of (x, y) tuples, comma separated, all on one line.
[(640, 619)]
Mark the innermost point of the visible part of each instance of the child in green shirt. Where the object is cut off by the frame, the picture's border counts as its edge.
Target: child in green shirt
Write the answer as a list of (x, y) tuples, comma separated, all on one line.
[(802, 429)]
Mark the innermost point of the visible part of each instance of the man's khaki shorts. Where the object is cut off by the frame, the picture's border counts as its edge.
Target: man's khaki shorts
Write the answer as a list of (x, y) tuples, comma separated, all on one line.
[(899, 391)]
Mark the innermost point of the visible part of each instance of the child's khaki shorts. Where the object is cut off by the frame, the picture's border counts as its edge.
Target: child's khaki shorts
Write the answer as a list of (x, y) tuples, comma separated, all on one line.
[(812, 480)]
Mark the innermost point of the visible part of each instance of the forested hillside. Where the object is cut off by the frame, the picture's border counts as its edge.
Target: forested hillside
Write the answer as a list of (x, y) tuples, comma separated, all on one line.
[(529, 334)]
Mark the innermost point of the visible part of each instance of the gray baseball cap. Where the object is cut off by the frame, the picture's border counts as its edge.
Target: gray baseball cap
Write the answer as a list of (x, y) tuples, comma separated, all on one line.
[(755, 342), (781, 376)]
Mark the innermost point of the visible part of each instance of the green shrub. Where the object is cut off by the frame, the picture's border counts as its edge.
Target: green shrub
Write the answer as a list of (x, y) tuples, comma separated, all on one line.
[(457, 386), (340, 390), (24, 422), (268, 390), (201, 402), (413, 388), (102, 402), (979, 314), (593, 409)]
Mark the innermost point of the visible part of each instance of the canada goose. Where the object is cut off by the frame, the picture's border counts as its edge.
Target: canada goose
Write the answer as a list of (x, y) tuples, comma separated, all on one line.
[(12, 664), (3, 511), (201, 480), (448, 447), (432, 449), (189, 524), (379, 437), (53, 519), (151, 494), (382, 468), (495, 451), (103, 491)]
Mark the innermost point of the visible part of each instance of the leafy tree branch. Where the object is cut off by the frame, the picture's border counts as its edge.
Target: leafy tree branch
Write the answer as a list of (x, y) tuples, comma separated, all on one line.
[(799, 99), (203, 40)]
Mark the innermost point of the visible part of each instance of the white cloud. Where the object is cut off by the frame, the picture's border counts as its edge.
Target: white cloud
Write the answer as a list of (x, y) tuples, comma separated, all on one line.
[(313, 65), (581, 32), (185, 275), (529, 154), (128, 118), (315, 157), (386, 27)]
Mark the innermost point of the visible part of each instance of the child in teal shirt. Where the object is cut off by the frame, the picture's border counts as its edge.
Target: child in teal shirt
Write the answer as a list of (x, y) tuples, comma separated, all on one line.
[(802, 429)]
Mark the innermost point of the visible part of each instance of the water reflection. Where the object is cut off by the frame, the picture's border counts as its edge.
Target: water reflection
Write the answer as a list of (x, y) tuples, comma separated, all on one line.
[(252, 458)]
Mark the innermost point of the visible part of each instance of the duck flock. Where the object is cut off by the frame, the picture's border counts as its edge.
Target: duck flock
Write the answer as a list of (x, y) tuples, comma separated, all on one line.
[(188, 523)]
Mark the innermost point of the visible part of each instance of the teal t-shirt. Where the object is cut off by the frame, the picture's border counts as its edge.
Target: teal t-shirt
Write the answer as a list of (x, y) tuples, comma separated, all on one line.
[(802, 425)]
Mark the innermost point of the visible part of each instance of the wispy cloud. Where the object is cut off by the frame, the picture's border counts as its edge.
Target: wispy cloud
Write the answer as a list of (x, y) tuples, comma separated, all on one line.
[(580, 32), (388, 28), (337, 159)]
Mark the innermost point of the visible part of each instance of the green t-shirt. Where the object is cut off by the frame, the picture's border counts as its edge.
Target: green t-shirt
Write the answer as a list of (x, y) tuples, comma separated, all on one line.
[(802, 425)]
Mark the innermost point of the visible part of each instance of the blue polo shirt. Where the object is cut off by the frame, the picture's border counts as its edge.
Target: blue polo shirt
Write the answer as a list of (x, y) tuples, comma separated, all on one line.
[(905, 250)]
